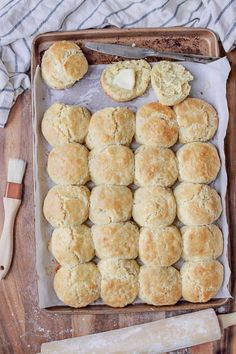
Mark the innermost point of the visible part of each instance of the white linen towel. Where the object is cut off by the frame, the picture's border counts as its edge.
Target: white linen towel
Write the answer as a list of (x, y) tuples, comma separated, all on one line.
[(22, 20)]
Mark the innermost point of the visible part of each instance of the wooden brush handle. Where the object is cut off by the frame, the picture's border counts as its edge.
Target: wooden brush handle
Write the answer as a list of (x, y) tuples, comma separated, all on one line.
[(11, 207), (227, 320)]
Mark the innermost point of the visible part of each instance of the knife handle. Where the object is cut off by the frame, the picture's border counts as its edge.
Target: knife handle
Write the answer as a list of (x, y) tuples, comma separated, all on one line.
[(180, 56)]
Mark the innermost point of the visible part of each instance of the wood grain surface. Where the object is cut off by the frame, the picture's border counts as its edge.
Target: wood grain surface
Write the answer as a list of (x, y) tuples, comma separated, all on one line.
[(23, 326)]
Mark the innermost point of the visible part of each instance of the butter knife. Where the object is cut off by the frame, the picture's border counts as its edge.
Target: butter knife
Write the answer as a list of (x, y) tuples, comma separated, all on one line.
[(139, 53)]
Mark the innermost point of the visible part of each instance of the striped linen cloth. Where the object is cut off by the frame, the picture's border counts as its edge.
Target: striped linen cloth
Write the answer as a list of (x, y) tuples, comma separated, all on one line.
[(22, 20)]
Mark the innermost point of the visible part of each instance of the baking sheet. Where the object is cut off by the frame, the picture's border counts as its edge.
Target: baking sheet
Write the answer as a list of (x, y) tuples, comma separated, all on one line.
[(209, 84)]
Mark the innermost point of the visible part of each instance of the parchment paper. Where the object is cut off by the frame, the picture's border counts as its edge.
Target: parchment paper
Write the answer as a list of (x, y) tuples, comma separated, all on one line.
[(209, 84)]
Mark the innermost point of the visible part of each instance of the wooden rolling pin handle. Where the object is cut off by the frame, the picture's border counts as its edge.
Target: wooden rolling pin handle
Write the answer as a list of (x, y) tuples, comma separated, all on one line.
[(11, 207), (227, 320)]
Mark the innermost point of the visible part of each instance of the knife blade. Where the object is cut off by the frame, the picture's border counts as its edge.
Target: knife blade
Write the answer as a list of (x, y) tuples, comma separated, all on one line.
[(139, 53)]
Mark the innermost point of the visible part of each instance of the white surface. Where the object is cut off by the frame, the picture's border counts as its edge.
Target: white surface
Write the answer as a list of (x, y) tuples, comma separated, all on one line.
[(156, 337), (209, 84)]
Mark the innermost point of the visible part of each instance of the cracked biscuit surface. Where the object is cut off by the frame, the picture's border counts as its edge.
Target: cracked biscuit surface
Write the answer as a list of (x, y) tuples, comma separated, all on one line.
[(170, 82), (160, 246), (63, 124), (159, 286), (142, 72), (154, 206), (201, 281), (197, 120), (197, 204), (155, 166), (113, 164), (78, 286), (72, 245), (111, 125), (109, 204), (119, 284), (68, 164), (201, 243), (63, 64), (117, 240), (66, 205), (198, 162), (156, 125)]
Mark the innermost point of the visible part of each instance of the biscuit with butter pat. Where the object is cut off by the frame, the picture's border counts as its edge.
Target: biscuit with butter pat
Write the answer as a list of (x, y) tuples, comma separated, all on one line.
[(125, 80)]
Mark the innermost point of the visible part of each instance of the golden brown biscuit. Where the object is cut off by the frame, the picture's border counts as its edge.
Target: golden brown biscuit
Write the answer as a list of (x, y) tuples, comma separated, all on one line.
[(78, 286), (201, 243), (110, 204), (119, 285), (113, 164), (159, 286), (68, 164), (201, 281), (72, 245), (154, 206), (155, 166), (112, 125), (63, 124), (197, 120), (156, 125), (197, 204), (141, 73), (66, 205), (63, 64), (160, 246), (119, 240), (198, 162), (170, 81)]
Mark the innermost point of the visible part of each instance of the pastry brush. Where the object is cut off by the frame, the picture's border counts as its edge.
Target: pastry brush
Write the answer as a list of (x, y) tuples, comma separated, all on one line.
[(11, 203)]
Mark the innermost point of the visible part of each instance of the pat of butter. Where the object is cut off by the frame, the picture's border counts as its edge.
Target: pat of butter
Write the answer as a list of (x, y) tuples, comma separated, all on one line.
[(125, 79)]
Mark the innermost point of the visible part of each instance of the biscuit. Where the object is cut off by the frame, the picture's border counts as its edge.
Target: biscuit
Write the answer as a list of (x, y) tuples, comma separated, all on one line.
[(170, 82), (141, 70), (154, 206), (119, 285), (201, 281), (197, 120), (68, 164), (63, 124), (66, 205), (197, 204), (112, 125), (156, 125), (118, 240), (72, 245), (159, 286), (198, 162), (63, 64), (201, 243), (109, 204), (155, 166), (160, 246), (113, 164), (78, 286)]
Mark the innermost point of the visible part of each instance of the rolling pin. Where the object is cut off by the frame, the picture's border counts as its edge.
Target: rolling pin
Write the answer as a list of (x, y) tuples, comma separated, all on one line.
[(156, 337)]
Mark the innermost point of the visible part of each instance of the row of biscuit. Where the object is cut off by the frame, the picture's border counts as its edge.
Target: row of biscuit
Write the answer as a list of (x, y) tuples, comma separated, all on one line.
[(64, 63), (154, 246), (118, 282), (193, 120)]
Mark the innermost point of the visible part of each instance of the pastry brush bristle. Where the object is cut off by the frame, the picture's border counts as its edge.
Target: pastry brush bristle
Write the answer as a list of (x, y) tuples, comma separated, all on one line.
[(16, 170)]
